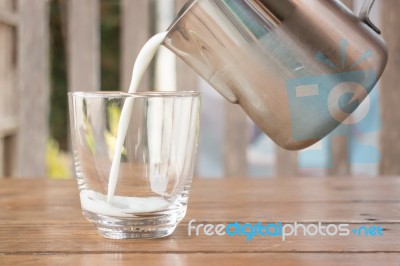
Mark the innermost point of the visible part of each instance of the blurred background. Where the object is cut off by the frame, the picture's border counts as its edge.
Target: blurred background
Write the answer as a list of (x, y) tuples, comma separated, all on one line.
[(51, 47)]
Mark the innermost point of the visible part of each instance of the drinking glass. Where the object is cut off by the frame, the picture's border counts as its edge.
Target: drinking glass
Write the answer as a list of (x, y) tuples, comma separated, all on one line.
[(134, 157)]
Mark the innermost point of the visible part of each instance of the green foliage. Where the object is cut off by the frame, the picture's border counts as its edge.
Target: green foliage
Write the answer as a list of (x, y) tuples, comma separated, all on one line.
[(110, 35), (58, 163), (110, 44), (58, 119), (114, 114), (58, 102), (89, 136)]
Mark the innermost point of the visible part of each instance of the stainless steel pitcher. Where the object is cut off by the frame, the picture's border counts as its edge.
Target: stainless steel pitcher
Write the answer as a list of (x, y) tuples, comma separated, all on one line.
[(298, 68)]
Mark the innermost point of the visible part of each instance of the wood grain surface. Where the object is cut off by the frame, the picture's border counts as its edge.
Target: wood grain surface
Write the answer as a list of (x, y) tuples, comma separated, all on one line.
[(41, 223)]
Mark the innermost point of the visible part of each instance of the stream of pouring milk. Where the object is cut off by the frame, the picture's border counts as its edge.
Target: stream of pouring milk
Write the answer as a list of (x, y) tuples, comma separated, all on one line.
[(116, 205), (142, 62)]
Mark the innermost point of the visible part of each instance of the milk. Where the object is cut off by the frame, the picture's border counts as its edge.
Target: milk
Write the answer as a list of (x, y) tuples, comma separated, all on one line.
[(116, 205), (121, 206)]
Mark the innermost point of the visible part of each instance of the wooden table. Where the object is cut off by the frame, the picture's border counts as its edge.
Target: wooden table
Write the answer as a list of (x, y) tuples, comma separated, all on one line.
[(41, 223)]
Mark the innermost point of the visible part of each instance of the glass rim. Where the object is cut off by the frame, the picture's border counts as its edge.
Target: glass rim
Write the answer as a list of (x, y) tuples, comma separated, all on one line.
[(142, 94)]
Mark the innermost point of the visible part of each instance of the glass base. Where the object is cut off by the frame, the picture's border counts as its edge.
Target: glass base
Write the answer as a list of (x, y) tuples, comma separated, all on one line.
[(155, 225)]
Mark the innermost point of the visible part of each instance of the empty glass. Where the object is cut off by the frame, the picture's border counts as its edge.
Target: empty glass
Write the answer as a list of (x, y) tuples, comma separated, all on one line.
[(134, 157)]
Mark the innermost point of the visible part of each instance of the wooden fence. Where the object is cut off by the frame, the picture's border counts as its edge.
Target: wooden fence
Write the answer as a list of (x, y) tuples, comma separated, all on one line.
[(24, 83), (24, 89)]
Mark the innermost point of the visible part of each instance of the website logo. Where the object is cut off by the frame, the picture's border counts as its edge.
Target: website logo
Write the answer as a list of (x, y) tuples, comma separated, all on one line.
[(279, 229), (318, 104)]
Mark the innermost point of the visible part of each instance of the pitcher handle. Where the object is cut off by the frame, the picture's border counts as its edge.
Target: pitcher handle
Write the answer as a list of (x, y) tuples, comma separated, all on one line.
[(364, 15)]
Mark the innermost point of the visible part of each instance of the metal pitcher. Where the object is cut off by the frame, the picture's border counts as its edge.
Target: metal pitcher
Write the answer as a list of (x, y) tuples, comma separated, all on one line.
[(298, 68)]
